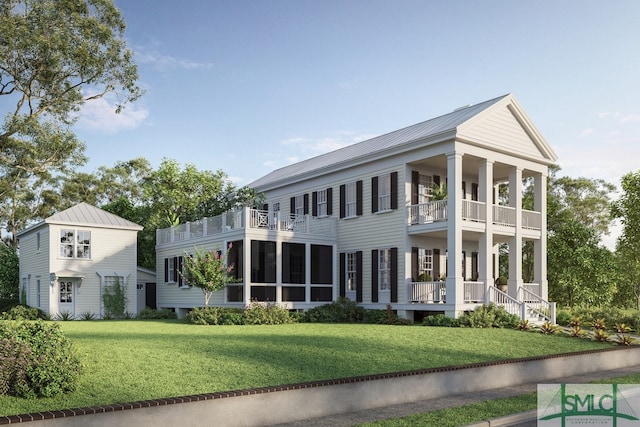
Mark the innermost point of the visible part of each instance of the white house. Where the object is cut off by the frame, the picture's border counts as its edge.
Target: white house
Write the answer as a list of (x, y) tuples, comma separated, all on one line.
[(363, 222), (67, 260)]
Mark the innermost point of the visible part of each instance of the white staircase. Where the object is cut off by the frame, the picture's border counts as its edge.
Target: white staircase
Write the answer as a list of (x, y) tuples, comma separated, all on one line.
[(528, 305)]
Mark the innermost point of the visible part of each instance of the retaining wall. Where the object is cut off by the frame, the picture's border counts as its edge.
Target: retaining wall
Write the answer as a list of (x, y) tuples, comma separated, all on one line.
[(280, 404)]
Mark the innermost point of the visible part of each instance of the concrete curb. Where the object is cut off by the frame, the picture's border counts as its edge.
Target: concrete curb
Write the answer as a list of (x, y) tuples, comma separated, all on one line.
[(508, 420)]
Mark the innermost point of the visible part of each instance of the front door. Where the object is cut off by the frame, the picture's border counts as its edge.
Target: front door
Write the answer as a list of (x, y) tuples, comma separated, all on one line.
[(66, 297)]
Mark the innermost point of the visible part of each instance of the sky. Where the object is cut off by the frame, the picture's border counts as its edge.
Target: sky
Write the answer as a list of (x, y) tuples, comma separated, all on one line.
[(250, 86)]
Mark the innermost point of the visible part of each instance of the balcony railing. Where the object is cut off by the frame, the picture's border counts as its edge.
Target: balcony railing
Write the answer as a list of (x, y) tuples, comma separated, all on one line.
[(428, 292), (427, 213), (246, 218)]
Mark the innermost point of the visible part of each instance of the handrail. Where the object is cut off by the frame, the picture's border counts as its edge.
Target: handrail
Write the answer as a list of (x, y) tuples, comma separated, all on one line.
[(537, 304)]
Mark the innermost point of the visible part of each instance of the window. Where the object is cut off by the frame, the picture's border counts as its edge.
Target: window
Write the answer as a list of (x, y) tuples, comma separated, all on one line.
[(320, 203), (38, 241), (425, 187), (350, 199), (38, 293), (293, 263), (321, 265), (170, 272), (351, 272), (384, 269), (66, 292), (384, 192), (263, 262), (75, 244), (425, 263), (299, 205), (299, 211)]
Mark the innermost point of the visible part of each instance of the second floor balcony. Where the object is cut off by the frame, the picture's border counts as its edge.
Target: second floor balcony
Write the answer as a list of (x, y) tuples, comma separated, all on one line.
[(472, 211)]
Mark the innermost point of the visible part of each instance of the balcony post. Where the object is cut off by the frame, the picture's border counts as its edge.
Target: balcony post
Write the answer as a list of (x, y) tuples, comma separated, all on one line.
[(515, 243), (540, 246), (454, 298), (485, 194)]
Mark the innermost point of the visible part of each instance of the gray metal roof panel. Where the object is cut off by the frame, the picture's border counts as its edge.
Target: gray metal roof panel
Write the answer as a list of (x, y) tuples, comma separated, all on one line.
[(86, 214), (432, 127)]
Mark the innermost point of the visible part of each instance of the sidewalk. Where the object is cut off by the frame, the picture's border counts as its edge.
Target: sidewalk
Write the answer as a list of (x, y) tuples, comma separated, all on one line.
[(397, 411)]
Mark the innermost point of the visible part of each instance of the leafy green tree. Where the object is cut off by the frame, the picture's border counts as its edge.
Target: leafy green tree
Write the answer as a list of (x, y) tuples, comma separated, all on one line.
[(9, 273), (54, 56), (628, 244), (207, 270)]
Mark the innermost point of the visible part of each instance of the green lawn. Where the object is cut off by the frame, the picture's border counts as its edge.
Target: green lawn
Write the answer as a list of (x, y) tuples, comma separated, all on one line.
[(139, 360)]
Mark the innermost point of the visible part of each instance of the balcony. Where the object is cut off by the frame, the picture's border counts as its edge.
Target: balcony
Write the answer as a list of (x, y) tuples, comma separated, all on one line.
[(243, 219), (433, 212)]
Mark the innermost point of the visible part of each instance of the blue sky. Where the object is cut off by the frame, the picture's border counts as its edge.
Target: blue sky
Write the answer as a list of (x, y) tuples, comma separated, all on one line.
[(249, 86)]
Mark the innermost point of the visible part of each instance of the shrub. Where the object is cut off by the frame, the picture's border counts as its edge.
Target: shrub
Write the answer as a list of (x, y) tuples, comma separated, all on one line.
[(148, 313), (114, 299), (576, 331), (563, 317), (441, 320), (41, 361), (599, 335), (623, 339), (384, 317), (22, 312), (87, 315), (266, 314), (341, 311), (490, 316), (64, 315), (215, 316), (548, 328), (598, 324)]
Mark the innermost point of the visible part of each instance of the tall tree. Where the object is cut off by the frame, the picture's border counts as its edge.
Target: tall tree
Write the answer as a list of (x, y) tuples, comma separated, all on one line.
[(54, 56), (9, 273), (628, 244)]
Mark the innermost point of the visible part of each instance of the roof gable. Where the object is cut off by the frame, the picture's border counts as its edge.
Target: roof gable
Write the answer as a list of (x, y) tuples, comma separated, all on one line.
[(87, 215)]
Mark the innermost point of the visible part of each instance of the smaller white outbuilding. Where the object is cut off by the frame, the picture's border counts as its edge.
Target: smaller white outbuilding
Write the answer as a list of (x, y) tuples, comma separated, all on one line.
[(69, 259)]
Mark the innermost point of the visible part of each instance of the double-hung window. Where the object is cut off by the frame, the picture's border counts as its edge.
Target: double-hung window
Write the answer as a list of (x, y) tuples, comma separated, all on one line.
[(351, 271), (321, 205), (425, 186), (384, 192), (425, 262), (350, 199), (384, 269)]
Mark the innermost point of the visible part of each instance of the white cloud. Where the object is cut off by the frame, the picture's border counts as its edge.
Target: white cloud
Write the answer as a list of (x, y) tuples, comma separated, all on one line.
[(630, 118), (99, 115), (164, 62), (587, 132)]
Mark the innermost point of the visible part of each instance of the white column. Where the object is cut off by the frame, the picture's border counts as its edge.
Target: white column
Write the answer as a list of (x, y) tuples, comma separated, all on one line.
[(486, 249), (246, 273), (540, 246), (307, 273), (515, 243), (455, 281)]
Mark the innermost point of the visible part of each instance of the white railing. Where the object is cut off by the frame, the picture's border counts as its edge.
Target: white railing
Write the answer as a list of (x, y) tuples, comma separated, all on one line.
[(536, 304), (531, 220), (426, 213), (473, 292), (510, 304), (473, 211), (534, 288), (246, 218), (427, 292), (504, 215)]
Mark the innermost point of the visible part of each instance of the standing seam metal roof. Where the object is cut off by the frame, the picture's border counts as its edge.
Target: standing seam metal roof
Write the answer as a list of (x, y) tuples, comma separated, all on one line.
[(435, 126), (86, 214)]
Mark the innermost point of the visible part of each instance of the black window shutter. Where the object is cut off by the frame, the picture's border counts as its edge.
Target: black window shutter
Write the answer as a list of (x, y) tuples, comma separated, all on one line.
[(436, 264), (175, 269), (394, 190), (436, 179), (359, 197), (374, 194), (359, 276), (374, 275), (394, 274), (414, 265), (415, 182), (179, 268), (474, 191), (343, 196), (329, 201), (265, 207), (464, 190), (292, 206), (314, 203), (166, 270), (343, 274), (305, 205)]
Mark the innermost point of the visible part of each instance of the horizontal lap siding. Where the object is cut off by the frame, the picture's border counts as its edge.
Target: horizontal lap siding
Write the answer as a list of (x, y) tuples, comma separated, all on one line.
[(36, 264)]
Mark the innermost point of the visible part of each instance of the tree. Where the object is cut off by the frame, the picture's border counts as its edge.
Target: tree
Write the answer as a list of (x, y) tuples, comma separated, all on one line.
[(628, 244), (54, 56), (9, 273), (207, 270)]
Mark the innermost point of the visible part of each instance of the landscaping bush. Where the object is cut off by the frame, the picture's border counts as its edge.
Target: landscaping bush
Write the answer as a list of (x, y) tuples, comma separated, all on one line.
[(148, 313), (22, 312), (489, 316), (215, 316), (341, 311), (564, 317), (441, 320), (384, 317), (266, 314), (37, 360)]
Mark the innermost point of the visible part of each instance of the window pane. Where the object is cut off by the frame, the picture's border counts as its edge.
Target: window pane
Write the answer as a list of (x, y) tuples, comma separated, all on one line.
[(321, 264), (293, 263), (263, 261)]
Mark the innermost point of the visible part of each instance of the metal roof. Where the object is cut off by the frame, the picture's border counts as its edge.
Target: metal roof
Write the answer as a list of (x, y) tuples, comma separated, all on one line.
[(432, 127), (88, 215)]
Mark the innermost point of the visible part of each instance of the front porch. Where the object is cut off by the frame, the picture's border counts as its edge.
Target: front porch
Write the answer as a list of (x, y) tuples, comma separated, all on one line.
[(527, 304)]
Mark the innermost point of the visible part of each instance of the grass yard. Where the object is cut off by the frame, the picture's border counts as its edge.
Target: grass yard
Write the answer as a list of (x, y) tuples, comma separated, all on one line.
[(140, 360)]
